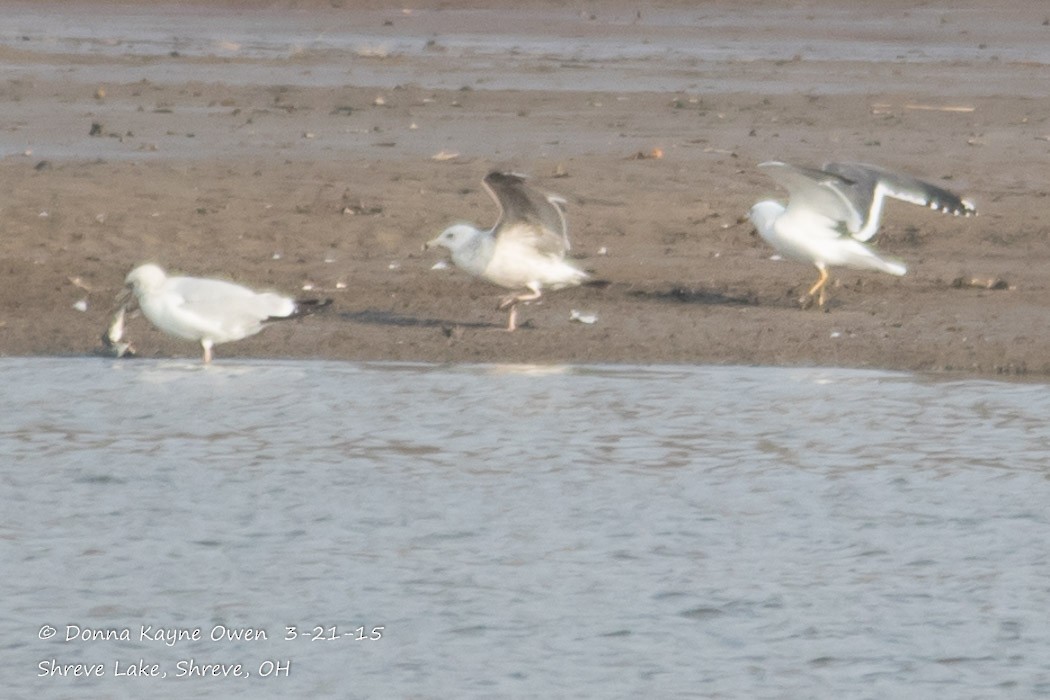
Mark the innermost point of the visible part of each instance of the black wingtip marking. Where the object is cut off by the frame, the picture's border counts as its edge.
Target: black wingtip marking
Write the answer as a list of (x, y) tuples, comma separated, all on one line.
[(505, 176), (304, 307), (960, 207), (311, 305)]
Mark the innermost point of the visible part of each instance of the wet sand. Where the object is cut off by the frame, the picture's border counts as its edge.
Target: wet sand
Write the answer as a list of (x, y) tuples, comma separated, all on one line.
[(292, 146)]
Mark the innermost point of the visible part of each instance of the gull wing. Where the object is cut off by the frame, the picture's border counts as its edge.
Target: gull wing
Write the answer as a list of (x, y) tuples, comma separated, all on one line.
[(814, 191), (226, 304), (867, 187), (533, 217)]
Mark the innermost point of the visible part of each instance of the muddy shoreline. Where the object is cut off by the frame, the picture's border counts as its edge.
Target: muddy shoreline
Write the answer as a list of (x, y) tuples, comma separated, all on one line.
[(331, 190)]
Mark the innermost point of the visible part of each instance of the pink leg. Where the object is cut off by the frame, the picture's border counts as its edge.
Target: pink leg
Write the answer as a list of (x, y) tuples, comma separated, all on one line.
[(514, 299)]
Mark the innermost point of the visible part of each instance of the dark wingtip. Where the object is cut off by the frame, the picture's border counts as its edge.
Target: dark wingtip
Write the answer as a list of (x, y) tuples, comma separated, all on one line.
[(305, 307), (505, 176), (962, 207), (312, 304)]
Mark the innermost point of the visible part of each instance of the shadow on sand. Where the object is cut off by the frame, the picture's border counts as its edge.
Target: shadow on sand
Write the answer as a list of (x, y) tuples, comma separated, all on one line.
[(389, 318), (689, 295)]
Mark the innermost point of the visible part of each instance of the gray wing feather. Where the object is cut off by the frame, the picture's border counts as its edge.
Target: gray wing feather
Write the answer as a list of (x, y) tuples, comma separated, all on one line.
[(816, 190), (866, 186), (226, 302), (543, 215)]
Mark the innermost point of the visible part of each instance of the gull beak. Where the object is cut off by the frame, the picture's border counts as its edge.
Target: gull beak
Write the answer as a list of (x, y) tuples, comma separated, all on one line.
[(745, 219), (430, 244)]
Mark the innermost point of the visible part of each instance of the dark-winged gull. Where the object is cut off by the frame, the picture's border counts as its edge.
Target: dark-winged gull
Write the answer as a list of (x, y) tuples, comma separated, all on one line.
[(207, 311), (833, 211), (526, 248)]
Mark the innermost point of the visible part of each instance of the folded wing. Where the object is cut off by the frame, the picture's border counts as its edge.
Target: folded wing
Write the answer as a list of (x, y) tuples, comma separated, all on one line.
[(228, 306)]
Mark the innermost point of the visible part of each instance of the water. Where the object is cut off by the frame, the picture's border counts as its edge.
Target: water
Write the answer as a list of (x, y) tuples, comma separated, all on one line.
[(968, 52), (929, 56), (523, 531)]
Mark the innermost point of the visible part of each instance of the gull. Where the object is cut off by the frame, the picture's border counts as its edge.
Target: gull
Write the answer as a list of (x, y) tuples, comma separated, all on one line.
[(834, 211), (526, 248), (207, 311)]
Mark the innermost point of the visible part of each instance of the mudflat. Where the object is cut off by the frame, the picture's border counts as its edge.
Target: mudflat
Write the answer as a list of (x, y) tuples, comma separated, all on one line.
[(313, 147)]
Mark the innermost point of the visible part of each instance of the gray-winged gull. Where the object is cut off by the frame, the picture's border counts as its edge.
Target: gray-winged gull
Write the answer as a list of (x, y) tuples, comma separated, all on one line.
[(833, 211), (207, 311), (526, 248)]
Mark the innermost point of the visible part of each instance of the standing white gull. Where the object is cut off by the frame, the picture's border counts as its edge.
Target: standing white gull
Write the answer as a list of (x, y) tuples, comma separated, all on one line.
[(207, 311), (526, 248), (833, 211)]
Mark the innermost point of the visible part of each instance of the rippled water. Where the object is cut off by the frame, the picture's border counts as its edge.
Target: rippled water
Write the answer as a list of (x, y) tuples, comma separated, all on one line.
[(536, 531), (670, 49), (717, 33)]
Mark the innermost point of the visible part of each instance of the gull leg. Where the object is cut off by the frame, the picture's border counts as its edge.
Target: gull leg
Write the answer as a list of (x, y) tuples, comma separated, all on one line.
[(823, 298), (818, 287), (514, 299), (510, 301), (536, 293), (206, 344)]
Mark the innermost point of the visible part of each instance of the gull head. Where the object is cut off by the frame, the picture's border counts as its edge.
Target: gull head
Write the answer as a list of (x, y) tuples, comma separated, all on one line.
[(144, 279), (763, 215), (454, 238)]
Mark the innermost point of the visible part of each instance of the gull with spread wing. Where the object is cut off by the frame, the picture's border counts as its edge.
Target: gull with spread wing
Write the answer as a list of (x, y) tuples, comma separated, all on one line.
[(525, 249), (834, 211)]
